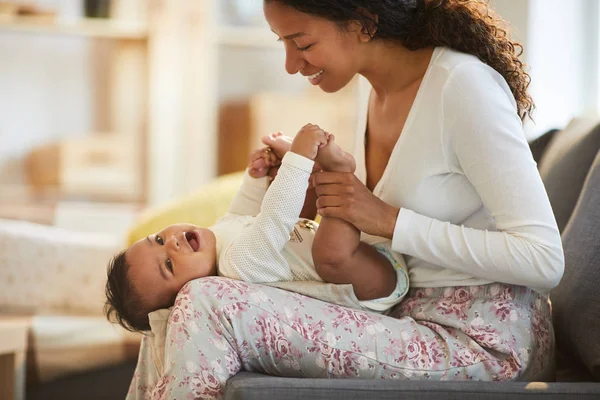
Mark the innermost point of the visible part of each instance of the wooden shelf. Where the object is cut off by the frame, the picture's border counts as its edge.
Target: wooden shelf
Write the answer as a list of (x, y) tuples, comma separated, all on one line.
[(259, 37), (87, 27)]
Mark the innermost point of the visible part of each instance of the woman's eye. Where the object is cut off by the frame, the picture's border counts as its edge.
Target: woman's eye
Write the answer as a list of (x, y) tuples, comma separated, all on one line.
[(305, 48), (169, 265), (159, 240)]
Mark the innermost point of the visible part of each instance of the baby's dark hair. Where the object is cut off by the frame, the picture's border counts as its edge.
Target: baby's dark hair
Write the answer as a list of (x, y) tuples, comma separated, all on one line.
[(123, 303)]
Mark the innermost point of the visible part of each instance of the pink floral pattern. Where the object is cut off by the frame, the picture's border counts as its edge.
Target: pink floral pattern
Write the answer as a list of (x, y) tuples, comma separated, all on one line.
[(220, 326)]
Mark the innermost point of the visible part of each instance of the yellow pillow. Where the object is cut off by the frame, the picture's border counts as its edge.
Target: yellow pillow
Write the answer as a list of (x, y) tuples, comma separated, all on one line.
[(201, 208)]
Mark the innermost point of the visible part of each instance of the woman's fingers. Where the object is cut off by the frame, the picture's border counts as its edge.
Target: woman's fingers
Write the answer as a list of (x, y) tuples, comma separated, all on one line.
[(329, 201), (333, 189), (327, 178), (331, 212)]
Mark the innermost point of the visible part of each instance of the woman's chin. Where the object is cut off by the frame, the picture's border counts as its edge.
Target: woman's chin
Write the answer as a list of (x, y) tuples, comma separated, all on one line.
[(329, 88)]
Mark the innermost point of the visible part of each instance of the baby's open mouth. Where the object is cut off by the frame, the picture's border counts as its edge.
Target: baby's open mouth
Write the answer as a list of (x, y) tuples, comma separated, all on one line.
[(193, 240)]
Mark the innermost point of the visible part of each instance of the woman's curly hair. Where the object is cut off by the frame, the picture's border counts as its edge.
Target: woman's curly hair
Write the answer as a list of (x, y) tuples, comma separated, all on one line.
[(468, 26)]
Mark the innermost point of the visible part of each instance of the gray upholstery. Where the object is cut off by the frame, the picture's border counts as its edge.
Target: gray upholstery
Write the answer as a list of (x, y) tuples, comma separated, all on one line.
[(538, 146), (248, 386), (565, 163), (576, 301)]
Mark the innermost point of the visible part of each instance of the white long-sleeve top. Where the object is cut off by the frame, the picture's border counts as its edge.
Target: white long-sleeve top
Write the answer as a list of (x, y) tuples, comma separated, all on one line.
[(262, 240), (473, 209)]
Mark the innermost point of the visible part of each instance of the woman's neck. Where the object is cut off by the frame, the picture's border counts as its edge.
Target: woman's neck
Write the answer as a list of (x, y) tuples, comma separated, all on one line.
[(395, 69)]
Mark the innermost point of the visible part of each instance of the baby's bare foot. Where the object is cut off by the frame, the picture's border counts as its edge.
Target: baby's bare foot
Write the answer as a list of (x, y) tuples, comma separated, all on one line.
[(333, 158)]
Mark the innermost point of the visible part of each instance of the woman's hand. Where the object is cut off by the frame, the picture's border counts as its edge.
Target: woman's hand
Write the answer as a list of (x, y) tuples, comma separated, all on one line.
[(342, 195)]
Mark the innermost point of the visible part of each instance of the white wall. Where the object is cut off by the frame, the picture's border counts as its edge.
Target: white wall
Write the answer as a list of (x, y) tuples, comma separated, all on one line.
[(562, 56), (516, 13), (45, 92), (561, 49)]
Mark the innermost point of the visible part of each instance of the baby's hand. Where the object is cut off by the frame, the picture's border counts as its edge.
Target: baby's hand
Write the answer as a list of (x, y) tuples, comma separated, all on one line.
[(261, 161), (308, 141), (278, 142)]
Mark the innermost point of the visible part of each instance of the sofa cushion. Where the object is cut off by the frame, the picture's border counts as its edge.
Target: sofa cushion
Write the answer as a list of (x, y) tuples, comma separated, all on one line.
[(576, 303), (249, 386), (565, 163), (538, 146)]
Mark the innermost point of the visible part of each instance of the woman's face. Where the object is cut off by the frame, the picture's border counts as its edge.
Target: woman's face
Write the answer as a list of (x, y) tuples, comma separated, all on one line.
[(317, 48)]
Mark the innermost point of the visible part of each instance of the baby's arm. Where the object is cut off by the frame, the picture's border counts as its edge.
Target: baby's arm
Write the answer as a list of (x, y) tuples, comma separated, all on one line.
[(256, 254), (248, 198), (281, 144)]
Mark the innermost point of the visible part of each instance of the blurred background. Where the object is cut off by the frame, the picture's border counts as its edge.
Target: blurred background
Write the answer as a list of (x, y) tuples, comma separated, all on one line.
[(108, 106), (112, 107)]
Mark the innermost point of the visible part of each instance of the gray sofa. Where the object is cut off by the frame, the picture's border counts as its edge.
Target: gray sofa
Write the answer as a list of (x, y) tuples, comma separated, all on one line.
[(570, 168)]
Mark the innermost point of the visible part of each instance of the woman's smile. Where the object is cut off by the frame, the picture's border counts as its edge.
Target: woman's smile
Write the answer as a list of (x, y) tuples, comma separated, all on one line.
[(315, 79)]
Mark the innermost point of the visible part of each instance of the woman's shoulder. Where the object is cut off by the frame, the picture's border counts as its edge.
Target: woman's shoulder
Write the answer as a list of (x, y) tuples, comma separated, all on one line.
[(448, 58), (462, 72)]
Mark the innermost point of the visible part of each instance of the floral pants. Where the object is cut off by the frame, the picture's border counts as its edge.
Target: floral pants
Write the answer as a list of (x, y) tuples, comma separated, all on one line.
[(220, 326)]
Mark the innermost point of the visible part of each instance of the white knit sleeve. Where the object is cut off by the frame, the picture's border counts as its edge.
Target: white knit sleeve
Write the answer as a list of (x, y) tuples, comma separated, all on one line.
[(256, 254), (249, 197), (487, 145)]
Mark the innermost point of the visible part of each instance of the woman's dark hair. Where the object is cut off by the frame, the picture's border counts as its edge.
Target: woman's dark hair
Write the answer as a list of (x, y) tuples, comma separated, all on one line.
[(123, 304), (468, 26)]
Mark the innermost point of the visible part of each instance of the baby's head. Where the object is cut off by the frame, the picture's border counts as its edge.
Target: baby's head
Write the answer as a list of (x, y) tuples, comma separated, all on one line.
[(148, 275)]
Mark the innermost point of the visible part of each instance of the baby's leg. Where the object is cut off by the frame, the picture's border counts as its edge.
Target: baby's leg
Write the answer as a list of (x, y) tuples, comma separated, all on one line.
[(338, 253)]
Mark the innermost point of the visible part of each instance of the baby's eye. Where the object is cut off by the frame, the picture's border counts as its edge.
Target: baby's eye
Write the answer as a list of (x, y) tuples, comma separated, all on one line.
[(159, 240), (169, 265)]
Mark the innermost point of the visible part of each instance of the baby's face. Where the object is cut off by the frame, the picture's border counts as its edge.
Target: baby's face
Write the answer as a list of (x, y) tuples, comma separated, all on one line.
[(161, 264)]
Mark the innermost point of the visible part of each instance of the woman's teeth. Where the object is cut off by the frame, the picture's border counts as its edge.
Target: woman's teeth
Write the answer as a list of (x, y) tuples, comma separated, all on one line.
[(315, 76)]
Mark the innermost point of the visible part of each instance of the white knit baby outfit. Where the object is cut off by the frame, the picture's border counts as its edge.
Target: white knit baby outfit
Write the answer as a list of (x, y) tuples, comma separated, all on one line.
[(261, 239)]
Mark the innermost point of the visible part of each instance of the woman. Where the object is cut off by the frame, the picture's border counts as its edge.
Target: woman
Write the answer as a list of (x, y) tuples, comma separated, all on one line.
[(444, 173)]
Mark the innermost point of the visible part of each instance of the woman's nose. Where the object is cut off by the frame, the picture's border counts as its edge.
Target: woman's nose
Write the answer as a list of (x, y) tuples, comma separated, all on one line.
[(293, 61)]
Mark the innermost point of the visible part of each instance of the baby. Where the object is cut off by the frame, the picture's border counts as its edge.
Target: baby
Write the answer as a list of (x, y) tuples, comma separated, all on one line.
[(261, 239)]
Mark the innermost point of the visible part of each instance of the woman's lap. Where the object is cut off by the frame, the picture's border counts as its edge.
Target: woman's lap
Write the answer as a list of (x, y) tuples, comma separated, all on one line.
[(219, 326)]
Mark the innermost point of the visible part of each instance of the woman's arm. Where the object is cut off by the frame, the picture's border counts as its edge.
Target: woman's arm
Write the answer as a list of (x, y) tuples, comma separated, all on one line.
[(487, 145)]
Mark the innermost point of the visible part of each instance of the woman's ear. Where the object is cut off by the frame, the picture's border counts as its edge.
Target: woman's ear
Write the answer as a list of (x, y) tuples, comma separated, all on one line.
[(367, 25)]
